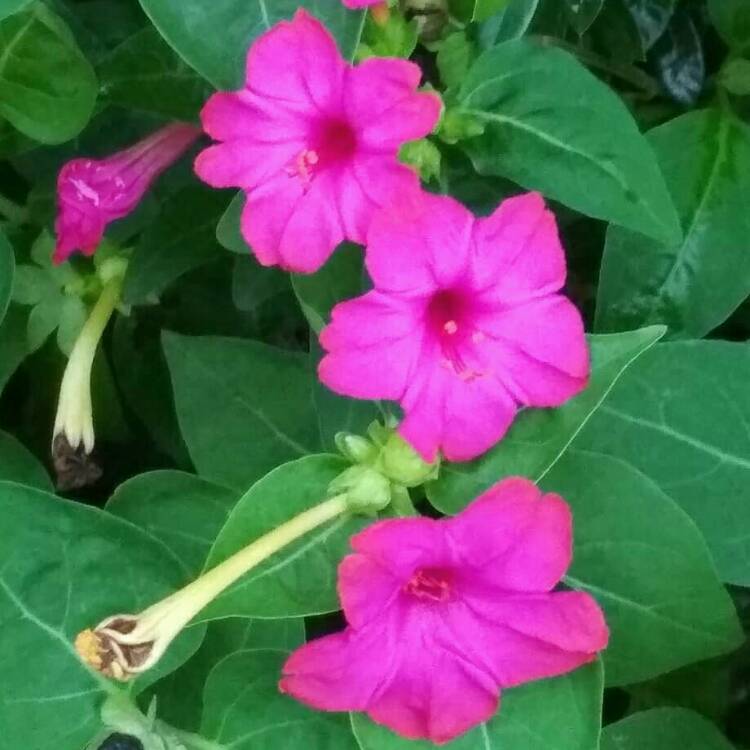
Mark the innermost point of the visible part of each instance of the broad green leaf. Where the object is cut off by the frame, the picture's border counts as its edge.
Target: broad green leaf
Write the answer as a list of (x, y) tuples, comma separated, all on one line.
[(47, 87), (64, 567), (260, 397), (678, 58), (681, 415), (253, 284), (582, 13), (559, 714), (341, 278), (8, 7), (228, 229), (13, 345), (244, 710), (181, 510), (18, 464), (695, 284), (664, 729), (648, 567), (301, 578), (214, 37), (735, 77), (539, 437), (511, 23), (181, 239), (615, 34), (455, 55), (143, 380), (180, 695), (476, 10), (732, 20), (145, 74), (7, 270), (583, 149)]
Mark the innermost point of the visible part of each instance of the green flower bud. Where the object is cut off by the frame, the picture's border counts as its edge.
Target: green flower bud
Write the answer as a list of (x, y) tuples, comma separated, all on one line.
[(403, 465), (424, 156), (355, 448), (458, 126), (367, 490)]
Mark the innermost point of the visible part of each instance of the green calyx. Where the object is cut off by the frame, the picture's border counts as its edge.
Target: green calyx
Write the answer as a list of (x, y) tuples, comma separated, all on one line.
[(385, 466)]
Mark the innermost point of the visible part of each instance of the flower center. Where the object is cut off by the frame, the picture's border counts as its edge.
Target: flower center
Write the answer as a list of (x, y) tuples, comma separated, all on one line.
[(331, 141), (450, 316), (435, 584)]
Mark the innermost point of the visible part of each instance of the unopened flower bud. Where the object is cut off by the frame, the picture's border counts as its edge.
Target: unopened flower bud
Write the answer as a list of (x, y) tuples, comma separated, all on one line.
[(355, 448), (366, 490), (424, 156), (458, 126), (403, 465)]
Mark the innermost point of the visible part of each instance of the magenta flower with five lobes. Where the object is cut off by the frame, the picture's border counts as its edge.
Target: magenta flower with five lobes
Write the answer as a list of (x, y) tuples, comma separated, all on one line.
[(313, 141), (464, 324), (362, 3), (91, 193), (442, 615)]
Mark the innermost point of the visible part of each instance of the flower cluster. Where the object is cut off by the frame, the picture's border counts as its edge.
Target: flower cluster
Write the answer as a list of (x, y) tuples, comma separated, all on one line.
[(464, 325)]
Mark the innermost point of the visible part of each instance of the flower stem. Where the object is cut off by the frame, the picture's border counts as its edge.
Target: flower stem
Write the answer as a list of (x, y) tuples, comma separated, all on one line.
[(123, 646), (12, 211), (74, 417)]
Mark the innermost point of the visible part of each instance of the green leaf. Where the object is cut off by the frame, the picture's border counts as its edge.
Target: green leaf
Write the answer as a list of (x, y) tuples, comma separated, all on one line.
[(582, 13), (681, 416), (259, 395), (735, 77), (145, 74), (228, 229), (651, 18), (180, 694), (244, 710), (664, 729), (13, 343), (301, 578), (616, 34), (511, 23), (556, 144), (9, 7), (65, 566), (181, 510), (539, 437), (253, 284), (7, 270), (18, 464), (73, 314), (47, 87), (454, 58), (678, 57), (695, 284), (43, 321), (341, 278), (181, 239), (647, 565), (732, 20), (563, 713), (214, 37)]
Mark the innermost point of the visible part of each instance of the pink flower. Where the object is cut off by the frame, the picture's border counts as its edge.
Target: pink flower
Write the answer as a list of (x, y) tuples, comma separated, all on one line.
[(362, 3), (464, 323), (92, 193), (313, 142), (443, 614)]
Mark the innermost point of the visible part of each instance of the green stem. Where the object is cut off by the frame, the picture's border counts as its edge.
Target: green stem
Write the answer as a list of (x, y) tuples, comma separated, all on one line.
[(190, 740), (12, 211)]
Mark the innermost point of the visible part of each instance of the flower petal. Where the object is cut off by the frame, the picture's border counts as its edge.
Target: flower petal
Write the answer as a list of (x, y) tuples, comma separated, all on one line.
[(366, 589), (518, 254), (243, 164), (520, 639), (286, 226), (538, 349), (297, 61), (514, 538), (421, 244), (371, 347), (337, 672), (382, 102)]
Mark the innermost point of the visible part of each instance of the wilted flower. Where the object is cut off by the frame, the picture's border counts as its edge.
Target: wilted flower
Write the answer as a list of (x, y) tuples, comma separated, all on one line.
[(464, 324), (444, 614), (91, 193), (313, 141)]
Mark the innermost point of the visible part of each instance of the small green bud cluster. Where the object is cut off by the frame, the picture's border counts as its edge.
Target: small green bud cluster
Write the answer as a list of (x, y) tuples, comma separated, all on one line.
[(384, 467)]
